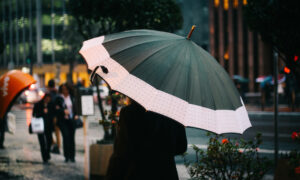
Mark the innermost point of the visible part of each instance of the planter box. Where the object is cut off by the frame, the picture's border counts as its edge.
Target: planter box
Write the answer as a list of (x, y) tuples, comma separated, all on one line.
[(99, 158)]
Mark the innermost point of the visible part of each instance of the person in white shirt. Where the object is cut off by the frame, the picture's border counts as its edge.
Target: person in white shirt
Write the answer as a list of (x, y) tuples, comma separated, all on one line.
[(66, 114)]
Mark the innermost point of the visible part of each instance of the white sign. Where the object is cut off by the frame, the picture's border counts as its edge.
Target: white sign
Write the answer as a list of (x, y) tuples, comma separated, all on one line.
[(87, 105)]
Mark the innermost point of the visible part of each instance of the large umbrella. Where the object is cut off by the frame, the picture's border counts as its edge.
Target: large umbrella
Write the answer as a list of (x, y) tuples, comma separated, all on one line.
[(170, 75), (12, 84)]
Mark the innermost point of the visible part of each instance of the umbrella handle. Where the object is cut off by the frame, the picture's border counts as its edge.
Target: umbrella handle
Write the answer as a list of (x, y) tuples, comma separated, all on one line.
[(92, 77)]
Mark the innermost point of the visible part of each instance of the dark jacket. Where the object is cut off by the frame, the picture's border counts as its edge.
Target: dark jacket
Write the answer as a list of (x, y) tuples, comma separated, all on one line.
[(60, 107), (145, 146), (38, 111)]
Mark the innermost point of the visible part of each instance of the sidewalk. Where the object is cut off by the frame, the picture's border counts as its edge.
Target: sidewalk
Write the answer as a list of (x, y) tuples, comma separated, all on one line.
[(21, 159), (270, 108)]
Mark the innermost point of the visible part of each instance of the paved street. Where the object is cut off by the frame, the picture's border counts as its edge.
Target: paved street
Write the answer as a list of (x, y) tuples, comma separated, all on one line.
[(22, 160)]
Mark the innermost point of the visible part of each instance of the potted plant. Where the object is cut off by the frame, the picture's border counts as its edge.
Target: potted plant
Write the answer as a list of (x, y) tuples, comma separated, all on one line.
[(228, 159), (101, 151)]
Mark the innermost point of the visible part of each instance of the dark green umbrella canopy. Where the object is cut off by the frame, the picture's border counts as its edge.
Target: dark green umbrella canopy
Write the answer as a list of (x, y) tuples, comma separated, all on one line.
[(175, 65), (169, 63)]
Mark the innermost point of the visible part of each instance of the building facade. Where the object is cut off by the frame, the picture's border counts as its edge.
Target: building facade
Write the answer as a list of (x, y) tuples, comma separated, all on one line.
[(195, 12), (31, 31), (239, 50)]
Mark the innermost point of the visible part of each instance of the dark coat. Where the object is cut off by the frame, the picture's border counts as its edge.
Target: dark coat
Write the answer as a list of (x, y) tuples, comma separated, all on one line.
[(38, 111), (145, 146), (60, 107)]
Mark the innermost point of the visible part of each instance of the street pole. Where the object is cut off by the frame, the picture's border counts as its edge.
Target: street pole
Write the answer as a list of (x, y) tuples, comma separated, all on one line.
[(11, 62), (86, 148), (17, 33), (99, 98), (106, 132), (275, 107), (4, 33), (52, 32), (39, 32)]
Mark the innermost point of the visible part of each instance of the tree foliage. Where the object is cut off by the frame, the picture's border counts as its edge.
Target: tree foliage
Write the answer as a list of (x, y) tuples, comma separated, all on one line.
[(278, 22), (99, 17), (2, 47), (92, 18)]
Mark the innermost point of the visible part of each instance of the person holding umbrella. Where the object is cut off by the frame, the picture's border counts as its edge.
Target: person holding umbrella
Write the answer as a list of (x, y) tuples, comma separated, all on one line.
[(145, 145), (169, 75)]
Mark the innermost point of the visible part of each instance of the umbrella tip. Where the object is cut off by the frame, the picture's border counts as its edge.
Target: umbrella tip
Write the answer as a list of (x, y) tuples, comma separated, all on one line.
[(191, 32)]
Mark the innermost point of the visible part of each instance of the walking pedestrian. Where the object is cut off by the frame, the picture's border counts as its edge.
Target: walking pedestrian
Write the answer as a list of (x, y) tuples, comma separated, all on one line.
[(2, 131), (66, 115), (145, 146), (53, 92), (44, 109)]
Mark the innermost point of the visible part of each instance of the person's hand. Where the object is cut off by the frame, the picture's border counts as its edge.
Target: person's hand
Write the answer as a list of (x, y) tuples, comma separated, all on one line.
[(66, 112), (75, 117), (45, 110)]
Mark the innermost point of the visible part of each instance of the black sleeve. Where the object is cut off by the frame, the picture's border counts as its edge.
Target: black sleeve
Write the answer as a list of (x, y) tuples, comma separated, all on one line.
[(51, 110), (35, 110), (164, 135), (75, 106), (181, 140), (58, 107)]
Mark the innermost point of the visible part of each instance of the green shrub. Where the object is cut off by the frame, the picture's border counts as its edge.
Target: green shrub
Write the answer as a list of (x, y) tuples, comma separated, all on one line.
[(228, 159)]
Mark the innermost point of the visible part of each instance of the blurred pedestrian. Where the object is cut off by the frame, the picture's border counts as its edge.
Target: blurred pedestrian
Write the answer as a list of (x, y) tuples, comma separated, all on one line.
[(3, 123), (53, 92), (66, 115), (146, 145), (44, 108), (79, 83)]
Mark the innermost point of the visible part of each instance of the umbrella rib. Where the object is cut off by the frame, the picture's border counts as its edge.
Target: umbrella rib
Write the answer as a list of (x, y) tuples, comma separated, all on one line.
[(157, 34), (178, 65), (135, 36), (212, 70), (209, 69), (159, 50), (189, 75), (138, 45), (181, 74)]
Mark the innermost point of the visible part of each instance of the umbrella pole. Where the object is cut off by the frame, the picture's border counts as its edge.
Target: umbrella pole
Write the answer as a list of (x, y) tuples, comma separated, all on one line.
[(275, 107), (106, 132)]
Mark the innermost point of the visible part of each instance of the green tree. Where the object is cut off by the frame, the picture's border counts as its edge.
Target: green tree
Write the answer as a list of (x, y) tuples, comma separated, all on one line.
[(92, 18), (1, 46), (277, 21), (98, 17)]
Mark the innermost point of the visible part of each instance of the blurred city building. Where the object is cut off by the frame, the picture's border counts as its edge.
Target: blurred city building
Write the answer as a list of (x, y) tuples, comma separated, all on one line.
[(31, 32), (239, 50), (195, 12)]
